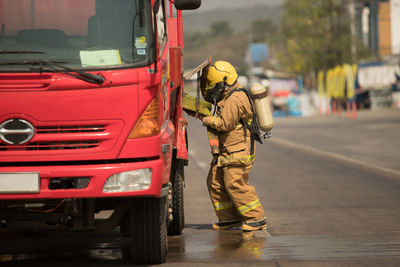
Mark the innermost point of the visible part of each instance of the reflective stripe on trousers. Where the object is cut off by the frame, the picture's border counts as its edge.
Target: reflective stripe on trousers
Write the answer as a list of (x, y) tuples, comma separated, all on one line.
[(252, 205), (223, 205)]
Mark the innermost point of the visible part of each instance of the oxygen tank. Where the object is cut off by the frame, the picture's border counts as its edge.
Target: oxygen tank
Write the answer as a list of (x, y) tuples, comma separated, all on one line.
[(262, 107)]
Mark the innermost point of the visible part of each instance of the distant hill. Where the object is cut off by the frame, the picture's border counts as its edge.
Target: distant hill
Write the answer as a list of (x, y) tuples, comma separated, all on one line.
[(213, 4), (239, 18)]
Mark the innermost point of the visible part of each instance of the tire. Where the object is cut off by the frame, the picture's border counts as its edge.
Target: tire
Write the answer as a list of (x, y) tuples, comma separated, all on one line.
[(148, 230), (177, 224)]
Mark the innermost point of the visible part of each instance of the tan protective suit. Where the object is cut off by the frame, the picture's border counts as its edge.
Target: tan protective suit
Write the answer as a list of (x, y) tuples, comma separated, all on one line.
[(228, 179)]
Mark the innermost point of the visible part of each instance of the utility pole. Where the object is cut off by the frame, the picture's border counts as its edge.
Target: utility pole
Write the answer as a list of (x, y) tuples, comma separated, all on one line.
[(373, 27), (351, 7)]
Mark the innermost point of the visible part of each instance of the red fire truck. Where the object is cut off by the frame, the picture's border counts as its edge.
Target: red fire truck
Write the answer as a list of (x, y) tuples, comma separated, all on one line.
[(92, 136)]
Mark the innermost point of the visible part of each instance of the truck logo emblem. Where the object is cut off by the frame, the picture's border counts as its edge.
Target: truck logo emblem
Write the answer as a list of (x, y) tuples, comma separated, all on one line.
[(16, 131)]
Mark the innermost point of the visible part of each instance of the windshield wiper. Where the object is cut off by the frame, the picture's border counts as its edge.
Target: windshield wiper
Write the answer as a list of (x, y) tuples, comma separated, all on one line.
[(21, 52), (56, 65)]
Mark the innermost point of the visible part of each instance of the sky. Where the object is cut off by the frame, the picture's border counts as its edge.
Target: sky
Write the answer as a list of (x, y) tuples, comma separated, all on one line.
[(213, 4)]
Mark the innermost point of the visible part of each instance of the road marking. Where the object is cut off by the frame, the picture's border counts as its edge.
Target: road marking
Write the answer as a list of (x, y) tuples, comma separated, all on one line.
[(202, 164), (196, 163), (334, 155)]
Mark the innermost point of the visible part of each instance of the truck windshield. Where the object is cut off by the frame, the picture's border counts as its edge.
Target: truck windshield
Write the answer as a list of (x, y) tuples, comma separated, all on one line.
[(89, 34)]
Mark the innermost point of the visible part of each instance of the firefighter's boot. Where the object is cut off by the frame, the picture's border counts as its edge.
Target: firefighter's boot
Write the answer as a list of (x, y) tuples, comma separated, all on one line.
[(226, 225), (255, 225)]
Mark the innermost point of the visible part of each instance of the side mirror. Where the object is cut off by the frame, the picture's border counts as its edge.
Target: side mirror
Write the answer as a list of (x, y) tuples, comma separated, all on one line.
[(187, 4)]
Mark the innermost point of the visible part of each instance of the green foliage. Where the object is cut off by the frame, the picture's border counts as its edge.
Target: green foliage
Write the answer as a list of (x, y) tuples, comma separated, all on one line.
[(220, 42), (220, 28), (312, 35), (231, 48), (262, 30), (317, 34), (226, 35)]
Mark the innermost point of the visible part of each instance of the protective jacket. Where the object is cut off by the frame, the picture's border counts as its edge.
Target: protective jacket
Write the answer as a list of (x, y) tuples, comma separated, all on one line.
[(234, 138)]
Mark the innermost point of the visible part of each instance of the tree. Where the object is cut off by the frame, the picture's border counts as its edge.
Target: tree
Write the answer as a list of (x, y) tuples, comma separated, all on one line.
[(219, 42), (220, 28), (262, 30), (317, 35)]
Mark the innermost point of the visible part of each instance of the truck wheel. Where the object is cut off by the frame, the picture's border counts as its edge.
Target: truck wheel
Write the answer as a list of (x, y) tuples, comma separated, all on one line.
[(148, 229), (177, 224)]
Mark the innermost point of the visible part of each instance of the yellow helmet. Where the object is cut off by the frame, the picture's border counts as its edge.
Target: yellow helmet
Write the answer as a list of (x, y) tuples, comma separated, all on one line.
[(221, 71)]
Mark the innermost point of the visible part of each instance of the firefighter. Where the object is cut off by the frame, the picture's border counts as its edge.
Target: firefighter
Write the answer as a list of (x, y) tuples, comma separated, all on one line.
[(235, 201)]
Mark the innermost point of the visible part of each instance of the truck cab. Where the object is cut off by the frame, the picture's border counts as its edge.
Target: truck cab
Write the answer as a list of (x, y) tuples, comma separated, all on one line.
[(92, 136)]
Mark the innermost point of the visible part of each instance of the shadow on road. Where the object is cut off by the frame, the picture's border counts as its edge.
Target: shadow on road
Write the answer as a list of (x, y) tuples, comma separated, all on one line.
[(198, 226), (198, 243)]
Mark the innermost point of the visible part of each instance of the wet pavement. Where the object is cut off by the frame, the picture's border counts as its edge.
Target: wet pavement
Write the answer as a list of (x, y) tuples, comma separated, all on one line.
[(236, 246), (199, 245), (204, 245), (330, 187)]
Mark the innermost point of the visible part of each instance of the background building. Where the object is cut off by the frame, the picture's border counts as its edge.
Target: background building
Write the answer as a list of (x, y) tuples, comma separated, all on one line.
[(377, 24)]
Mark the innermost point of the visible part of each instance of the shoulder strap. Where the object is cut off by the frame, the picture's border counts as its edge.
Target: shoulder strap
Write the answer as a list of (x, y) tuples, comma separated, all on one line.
[(238, 90), (254, 129), (241, 89)]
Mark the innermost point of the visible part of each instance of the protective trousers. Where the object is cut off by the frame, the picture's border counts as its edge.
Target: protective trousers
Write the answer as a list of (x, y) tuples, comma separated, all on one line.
[(232, 196)]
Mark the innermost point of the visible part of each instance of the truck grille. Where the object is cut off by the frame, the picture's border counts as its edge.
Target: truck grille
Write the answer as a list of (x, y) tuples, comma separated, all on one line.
[(70, 129), (61, 145), (77, 137), (52, 145)]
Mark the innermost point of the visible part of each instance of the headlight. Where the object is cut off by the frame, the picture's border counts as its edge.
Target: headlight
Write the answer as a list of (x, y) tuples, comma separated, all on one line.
[(128, 181)]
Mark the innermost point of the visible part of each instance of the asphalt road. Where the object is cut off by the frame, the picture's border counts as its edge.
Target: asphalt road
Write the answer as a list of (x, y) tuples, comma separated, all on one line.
[(330, 187)]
